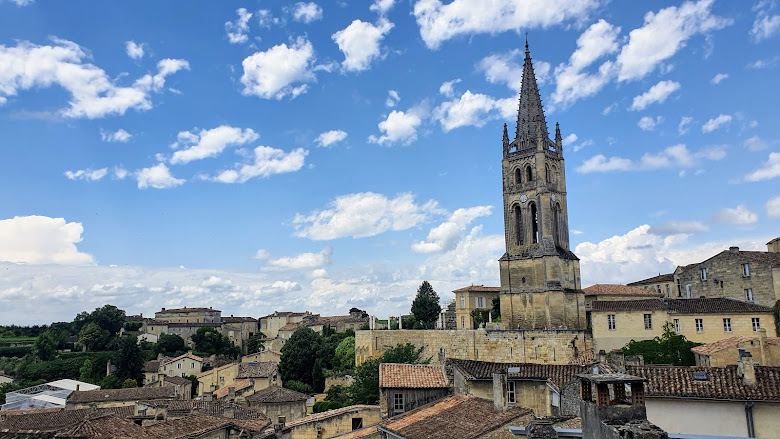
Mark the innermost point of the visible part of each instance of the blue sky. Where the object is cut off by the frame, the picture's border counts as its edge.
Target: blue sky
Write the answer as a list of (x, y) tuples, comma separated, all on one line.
[(279, 155)]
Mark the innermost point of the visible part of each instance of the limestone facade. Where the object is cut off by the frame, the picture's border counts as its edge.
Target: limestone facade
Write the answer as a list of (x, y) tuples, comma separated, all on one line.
[(467, 299)]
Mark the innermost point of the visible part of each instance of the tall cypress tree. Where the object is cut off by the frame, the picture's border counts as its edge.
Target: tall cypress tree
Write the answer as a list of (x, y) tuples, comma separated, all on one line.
[(425, 307)]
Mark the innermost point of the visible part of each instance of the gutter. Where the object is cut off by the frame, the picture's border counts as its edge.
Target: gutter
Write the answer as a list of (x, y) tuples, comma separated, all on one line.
[(751, 428), (393, 434)]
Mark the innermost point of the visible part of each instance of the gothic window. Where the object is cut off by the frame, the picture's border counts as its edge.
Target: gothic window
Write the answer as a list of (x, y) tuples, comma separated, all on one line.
[(548, 174), (534, 224), (518, 225), (518, 176), (529, 175)]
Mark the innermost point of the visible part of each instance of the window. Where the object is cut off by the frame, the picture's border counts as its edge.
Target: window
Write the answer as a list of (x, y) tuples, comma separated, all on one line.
[(398, 402), (462, 323), (746, 269), (658, 289), (535, 225), (679, 289), (529, 175), (462, 301), (668, 291), (611, 322), (703, 274), (518, 176), (480, 302), (699, 325), (192, 365), (510, 392), (230, 333), (756, 323), (648, 321), (222, 380), (749, 294), (727, 325), (677, 325), (688, 290), (178, 365), (357, 423)]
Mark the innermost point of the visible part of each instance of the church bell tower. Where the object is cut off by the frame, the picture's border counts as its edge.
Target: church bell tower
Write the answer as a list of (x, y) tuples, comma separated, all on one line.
[(540, 276)]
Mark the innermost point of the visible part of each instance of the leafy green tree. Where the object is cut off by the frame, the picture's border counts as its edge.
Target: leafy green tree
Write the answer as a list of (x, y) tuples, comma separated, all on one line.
[(85, 372), (345, 355), (425, 306), (169, 344), (339, 395), (45, 346), (195, 384), (670, 348), (111, 382), (496, 310), (109, 318), (297, 362), (255, 343), (93, 337), (365, 389), (210, 342), (130, 362), (133, 326), (129, 383), (318, 376), (298, 386)]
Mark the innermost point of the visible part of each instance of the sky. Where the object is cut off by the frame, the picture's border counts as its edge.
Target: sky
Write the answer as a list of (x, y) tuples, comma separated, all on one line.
[(278, 155)]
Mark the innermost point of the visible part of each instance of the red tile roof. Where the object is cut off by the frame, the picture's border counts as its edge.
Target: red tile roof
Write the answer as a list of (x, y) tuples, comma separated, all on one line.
[(770, 258), (331, 413), (557, 374), (237, 385), (54, 420), (619, 290), (152, 366), (276, 394), (259, 369), (189, 427), (477, 289), (104, 427), (731, 342), (133, 394), (668, 277), (454, 417), (183, 356), (411, 376), (707, 305)]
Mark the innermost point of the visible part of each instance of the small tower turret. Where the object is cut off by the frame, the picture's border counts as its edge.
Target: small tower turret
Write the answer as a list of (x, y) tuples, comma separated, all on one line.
[(506, 141), (558, 138)]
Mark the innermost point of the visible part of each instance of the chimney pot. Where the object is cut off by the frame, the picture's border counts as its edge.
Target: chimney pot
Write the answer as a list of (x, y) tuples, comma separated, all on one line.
[(734, 249), (746, 369)]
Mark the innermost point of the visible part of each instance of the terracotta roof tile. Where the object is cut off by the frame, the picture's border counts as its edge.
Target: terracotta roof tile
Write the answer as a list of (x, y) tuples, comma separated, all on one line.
[(454, 417), (54, 420), (181, 310), (178, 381), (557, 374), (191, 426), (133, 394), (770, 258), (477, 289), (152, 366), (709, 305), (668, 277), (731, 342), (104, 426), (232, 319), (260, 369), (237, 385), (275, 394), (331, 413), (357, 434), (240, 413), (411, 376), (619, 290), (290, 327), (180, 357)]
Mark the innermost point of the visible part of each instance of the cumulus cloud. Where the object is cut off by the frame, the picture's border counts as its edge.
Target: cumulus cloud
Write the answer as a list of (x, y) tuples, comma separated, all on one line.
[(765, 25), (267, 161), (506, 68), (134, 50), (360, 43), (362, 215), (755, 143), (472, 109), (647, 123), (663, 34), (41, 240), (440, 22), (446, 235), (302, 260), (158, 177), (261, 254), (715, 123), (119, 135), (307, 12), (675, 156), (717, 79), (773, 207), (328, 138), (657, 94), (678, 228), (682, 128), (93, 94), (381, 6), (392, 98), (768, 171), (209, 143), (739, 215), (87, 174), (398, 127), (273, 74), (237, 30), (447, 88)]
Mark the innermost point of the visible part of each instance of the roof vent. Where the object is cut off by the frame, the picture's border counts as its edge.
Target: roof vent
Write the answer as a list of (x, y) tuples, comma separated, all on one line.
[(700, 376), (513, 370)]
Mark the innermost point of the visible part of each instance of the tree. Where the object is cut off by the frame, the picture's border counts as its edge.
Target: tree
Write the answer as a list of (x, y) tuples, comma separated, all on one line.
[(344, 359), (194, 387), (129, 383), (365, 389), (93, 337), (496, 311), (255, 343), (85, 372), (425, 306), (298, 386), (169, 344), (210, 342), (129, 362), (318, 376), (109, 318), (297, 362), (45, 346), (670, 348), (111, 382)]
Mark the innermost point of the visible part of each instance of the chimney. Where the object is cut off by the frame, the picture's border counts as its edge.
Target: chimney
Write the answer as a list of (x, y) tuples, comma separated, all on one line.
[(734, 249), (77, 387), (602, 356), (229, 412), (231, 393), (762, 345), (208, 396), (618, 360), (499, 392), (541, 429), (746, 370), (773, 246), (163, 309)]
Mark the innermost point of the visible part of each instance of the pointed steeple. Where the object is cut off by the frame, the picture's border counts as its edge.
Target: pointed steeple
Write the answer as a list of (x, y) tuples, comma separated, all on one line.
[(558, 138), (506, 139), (530, 113)]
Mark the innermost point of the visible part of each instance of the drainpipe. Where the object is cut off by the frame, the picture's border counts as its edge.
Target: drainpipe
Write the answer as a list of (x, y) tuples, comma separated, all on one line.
[(749, 418)]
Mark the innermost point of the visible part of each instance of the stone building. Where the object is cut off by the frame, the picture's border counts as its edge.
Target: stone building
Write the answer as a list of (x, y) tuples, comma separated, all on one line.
[(467, 299), (280, 404), (613, 292), (239, 329), (105, 398), (404, 387), (189, 315), (326, 424), (764, 350), (261, 374), (663, 284), (617, 322), (270, 324)]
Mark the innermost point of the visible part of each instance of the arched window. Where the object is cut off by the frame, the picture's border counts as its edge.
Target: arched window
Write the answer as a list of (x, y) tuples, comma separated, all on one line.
[(548, 174), (518, 225), (534, 224), (518, 176), (555, 225), (529, 175)]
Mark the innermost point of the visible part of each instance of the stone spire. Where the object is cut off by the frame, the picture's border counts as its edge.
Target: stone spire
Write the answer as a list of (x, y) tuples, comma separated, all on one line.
[(529, 113), (558, 138)]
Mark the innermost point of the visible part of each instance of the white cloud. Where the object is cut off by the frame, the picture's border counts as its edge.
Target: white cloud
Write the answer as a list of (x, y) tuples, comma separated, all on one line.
[(209, 143), (647, 123), (675, 156), (271, 74), (440, 22), (328, 138), (120, 173), (303, 260), (158, 177), (92, 93), (715, 123), (398, 127), (267, 161), (718, 78), (739, 215), (261, 254), (446, 235), (763, 63), (392, 98), (765, 25), (773, 207), (657, 93), (265, 19), (362, 215), (87, 174), (682, 128), (22, 2), (447, 88), (678, 228), (663, 34), (360, 43), (381, 6), (472, 109), (134, 51), (237, 30), (768, 171), (119, 135), (506, 68), (307, 12), (41, 240), (582, 145), (755, 143), (572, 82)]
